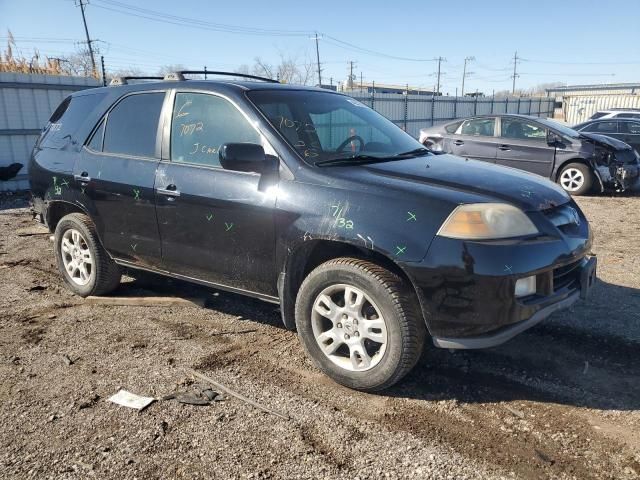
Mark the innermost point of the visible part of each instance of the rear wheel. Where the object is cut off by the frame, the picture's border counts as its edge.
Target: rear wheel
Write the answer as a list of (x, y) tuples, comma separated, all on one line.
[(359, 323), (576, 178), (83, 262)]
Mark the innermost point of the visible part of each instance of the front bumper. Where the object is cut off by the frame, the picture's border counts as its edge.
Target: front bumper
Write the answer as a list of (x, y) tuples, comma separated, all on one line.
[(467, 289)]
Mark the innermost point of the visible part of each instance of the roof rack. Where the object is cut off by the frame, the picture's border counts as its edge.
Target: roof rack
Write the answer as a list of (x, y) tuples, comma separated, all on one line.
[(180, 76), (624, 109), (115, 81)]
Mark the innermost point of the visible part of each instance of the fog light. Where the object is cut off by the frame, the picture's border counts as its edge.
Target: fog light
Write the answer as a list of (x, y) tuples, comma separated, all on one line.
[(526, 286)]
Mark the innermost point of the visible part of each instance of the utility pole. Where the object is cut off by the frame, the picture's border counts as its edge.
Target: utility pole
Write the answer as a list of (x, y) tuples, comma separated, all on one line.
[(351, 74), (86, 31), (318, 60), (104, 73), (440, 60), (464, 72), (515, 73)]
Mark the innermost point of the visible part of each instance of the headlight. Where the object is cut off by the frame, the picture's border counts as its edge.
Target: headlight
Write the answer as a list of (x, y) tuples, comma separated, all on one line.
[(481, 221)]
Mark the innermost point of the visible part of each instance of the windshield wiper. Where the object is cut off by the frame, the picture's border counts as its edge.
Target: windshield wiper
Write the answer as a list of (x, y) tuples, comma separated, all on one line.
[(363, 159), (354, 160), (417, 152)]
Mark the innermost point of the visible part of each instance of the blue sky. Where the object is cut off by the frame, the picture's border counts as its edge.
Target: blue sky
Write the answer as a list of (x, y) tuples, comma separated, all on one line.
[(559, 41)]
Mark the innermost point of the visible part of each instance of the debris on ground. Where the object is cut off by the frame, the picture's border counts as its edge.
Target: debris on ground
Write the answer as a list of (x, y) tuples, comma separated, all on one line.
[(131, 400), (201, 396), (239, 396)]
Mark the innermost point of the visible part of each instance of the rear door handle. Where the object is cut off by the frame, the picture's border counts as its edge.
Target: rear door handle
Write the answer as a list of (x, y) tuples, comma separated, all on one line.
[(458, 142), (169, 191), (504, 148), (82, 178)]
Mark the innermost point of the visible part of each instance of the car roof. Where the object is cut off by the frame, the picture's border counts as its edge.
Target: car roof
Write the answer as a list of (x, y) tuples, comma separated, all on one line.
[(213, 85)]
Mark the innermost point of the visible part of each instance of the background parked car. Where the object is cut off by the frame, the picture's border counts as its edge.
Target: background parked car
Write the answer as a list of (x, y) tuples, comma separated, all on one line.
[(616, 113), (575, 160), (625, 130)]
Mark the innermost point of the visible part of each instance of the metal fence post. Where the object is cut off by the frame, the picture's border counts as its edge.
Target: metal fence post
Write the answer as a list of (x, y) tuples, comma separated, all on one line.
[(519, 104), (475, 106), (373, 94), (539, 106), (433, 107), (406, 107), (455, 107), (506, 105), (493, 97)]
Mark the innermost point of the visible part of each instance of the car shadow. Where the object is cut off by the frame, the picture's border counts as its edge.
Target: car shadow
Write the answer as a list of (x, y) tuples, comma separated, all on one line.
[(587, 356)]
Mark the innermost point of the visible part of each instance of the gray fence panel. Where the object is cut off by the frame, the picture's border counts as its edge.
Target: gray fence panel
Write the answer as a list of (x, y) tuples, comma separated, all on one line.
[(26, 103)]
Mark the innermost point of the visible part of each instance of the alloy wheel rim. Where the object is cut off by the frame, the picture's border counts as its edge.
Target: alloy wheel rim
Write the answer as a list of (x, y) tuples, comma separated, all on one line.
[(349, 327), (572, 179), (76, 257)]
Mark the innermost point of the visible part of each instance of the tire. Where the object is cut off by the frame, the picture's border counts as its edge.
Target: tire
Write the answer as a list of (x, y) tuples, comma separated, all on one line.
[(576, 178), (386, 328), (78, 250)]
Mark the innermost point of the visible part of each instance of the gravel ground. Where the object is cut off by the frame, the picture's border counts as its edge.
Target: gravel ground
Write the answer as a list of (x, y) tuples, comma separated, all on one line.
[(561, 400)]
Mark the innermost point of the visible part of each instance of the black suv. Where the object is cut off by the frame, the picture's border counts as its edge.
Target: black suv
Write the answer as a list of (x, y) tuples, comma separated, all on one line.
[(309, 199)]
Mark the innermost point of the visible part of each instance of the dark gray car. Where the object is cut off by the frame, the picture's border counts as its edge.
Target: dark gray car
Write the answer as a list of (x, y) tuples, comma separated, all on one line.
[(625, 130), (576, 160)]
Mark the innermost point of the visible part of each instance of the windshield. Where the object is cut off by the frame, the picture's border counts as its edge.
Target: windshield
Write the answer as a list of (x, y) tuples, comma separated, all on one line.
[(563, 129), (326, 127)]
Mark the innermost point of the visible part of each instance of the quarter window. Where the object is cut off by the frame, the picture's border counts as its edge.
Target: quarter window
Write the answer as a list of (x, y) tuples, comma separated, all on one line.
[(132, 126), (630, 127), (483, 127), (202, 123), (521, 130), (95, 143)]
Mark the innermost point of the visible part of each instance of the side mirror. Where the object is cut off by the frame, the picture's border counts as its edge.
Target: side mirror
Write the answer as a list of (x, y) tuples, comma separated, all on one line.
[(246, 157), (553, 139)]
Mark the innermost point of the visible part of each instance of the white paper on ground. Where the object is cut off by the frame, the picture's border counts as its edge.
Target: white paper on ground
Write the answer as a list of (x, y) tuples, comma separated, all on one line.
[(131, 400)]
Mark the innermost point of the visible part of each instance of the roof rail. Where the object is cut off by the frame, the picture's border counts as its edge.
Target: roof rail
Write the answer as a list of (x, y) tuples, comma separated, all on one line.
[(180, 76), (115, 81)]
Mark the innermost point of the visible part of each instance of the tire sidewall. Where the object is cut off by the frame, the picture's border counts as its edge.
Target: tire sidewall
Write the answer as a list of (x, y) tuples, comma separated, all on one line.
[(587, 174), (65, 224), (322, 278)]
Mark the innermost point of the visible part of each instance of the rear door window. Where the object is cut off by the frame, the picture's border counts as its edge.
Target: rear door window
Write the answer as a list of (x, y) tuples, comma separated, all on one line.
[(95, 143), (628, 115), (201, 123), (602, 127), (478, 127), (132, 125), (522, 130), (67, 119)]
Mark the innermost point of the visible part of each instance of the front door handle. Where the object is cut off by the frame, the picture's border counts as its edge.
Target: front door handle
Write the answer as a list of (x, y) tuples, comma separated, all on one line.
[(504, 148), (169, 191), (82, 178), (458, 142)]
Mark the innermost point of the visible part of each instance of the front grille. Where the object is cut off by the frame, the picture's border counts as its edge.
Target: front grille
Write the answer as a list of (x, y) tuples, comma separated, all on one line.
[(565, 218), (567, 276)]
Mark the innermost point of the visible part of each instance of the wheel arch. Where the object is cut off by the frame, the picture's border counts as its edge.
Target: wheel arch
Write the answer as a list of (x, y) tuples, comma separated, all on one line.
[(57, 209), (310, 254)]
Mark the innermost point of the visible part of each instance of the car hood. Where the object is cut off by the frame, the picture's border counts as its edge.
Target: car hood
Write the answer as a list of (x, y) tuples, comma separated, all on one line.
[(481, 181), (603, 139)]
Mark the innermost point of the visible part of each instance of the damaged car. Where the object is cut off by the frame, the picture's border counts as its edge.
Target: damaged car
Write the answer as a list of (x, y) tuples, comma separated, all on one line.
[(578, 161), (306, 198)]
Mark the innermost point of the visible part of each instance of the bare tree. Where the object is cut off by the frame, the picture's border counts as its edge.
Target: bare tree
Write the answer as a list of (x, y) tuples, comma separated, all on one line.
[(289, 70), (162, 71)]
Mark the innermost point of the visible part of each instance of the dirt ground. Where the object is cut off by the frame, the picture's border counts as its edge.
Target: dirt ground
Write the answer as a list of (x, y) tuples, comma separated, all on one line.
[(561, 400)]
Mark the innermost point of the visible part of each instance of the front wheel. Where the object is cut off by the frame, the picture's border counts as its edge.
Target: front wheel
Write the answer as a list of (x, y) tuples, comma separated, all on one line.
[(576, 178), (359, 323)]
